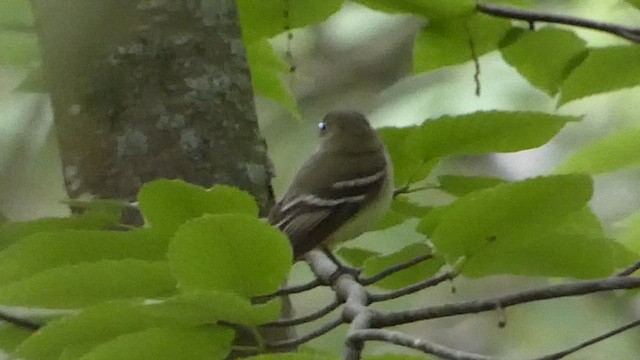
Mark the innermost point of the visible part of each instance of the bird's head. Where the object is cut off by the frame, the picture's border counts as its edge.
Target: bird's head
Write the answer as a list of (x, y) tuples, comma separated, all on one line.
[(347, 131)]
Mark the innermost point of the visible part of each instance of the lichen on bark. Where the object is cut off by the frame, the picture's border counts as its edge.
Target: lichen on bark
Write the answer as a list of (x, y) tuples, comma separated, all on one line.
[(151, 89)]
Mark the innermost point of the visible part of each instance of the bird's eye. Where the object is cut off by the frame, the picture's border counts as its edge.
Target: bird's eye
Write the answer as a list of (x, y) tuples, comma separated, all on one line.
[(323, 126)]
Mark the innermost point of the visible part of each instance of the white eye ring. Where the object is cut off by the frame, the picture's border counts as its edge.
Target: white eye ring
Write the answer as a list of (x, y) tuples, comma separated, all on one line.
[(322, 125)]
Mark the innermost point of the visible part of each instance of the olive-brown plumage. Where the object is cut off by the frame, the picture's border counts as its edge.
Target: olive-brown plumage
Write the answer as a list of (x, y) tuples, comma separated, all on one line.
[(343, 188)]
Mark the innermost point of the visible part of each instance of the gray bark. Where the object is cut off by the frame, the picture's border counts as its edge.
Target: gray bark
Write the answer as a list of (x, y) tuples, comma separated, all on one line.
[(152, 89), (149, 89)]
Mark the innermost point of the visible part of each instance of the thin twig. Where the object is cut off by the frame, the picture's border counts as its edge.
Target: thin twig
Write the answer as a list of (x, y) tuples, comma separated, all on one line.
[(294, 289), (476, 306), (20, 322), (629, 33), (474, 57), (502, 315), (415, 287), (245, 349), (590, 342), (306, 338), (629, 270), (306, 318), (393, 269), (398, 338), (444, 352), (408, 190)]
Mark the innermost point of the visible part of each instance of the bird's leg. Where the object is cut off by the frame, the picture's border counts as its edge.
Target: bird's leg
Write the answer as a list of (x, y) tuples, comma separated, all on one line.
[(342, 267)]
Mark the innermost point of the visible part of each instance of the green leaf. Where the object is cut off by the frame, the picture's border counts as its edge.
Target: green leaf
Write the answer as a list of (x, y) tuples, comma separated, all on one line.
[(403, 205), (92, 325), (108, 207), (429, 9), (623, 257), (47, 250), (73, 286), (408, 167), (483, 132), (613, 152), (429, 223), (12, 232), (355, 256), (210, 343), (504, 213), (414, 274), (208, 307), (77, 334), (545, 254), (463, 185), (630, 237), (582, 222), (74, 352), (231, 252), (167, 204), (16, 13), (530, 55), (604, 70), (539, 227), (264, 19), (518, 3), (11, 336), (18, 48), (576, 248), (390, 219), (34, 82), (447, 42), (634, 3), (401, 210), (266, 74)]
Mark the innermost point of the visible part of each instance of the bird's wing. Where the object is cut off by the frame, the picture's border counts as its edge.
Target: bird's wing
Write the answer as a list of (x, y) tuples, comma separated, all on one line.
[(309, 215)]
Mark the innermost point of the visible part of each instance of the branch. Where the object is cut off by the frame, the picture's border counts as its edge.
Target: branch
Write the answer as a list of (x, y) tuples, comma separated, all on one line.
[(449, 275), (401, 339), (392, 270), (290, 290), (476, 306), (629, 33), (20, 322), (407, 190), (310, 336), (398, 338), (630, 270), (474, 57), (597, 339), (353, 345), (350, 289), (346, 287), (307, 318)]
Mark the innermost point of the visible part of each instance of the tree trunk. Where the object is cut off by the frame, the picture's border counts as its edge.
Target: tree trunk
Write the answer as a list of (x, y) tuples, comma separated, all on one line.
[(152, 89), (149, 89)]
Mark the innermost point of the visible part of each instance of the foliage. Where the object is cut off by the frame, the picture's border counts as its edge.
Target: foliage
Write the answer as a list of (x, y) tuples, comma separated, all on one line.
[(615, 151), (183, 271), (18, 41), (167, 290)]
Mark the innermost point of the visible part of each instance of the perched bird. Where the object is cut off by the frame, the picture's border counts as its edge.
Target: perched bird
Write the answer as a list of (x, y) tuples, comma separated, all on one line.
[(341, 190)]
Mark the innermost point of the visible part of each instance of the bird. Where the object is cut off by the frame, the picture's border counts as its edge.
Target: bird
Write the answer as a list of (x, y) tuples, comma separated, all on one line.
[(341, 190)]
